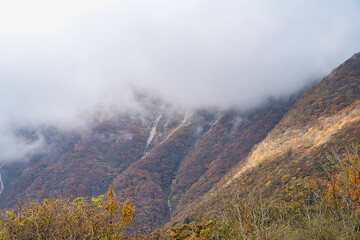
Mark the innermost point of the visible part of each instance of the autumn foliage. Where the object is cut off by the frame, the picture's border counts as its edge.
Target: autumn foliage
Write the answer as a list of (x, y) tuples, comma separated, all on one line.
[(326, 206), (323, 206), (343, 184), (82, 218)]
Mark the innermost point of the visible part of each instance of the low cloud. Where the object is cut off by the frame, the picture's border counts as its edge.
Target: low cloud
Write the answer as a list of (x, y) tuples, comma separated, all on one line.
[(59, 62)]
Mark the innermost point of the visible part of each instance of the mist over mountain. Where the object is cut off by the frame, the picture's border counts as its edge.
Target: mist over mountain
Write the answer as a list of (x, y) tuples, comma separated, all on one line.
[(60, 63), (173, 162)]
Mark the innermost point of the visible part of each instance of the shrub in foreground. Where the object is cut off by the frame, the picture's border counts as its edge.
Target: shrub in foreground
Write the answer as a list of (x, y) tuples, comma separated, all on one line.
[(82, 218)]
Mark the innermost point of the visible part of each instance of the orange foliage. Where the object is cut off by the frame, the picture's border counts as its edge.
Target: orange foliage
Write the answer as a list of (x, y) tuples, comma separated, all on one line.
[(343, 187)]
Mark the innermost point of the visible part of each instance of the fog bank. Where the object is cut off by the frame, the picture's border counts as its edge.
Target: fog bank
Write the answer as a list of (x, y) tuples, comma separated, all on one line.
[(59, 62)]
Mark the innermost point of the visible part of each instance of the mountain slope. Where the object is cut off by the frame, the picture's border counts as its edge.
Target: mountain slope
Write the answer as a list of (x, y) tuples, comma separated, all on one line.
[(324, 118), (202, 149), (161, 157), (326, 109)]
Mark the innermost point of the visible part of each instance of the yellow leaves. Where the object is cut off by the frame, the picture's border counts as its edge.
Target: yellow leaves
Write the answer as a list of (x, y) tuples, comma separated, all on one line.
[(268, 184), (97, 201), (64, 219), (127, 212), (343, 188), (111, 195), (10, 214), (198, 231), (78, 201), (111, 206)]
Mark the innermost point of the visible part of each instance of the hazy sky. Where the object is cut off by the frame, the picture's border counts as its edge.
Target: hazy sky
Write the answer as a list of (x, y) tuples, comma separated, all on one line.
[(59, 59)]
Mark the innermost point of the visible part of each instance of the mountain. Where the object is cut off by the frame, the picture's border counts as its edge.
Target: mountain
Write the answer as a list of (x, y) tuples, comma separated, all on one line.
[(202, 148), (323, 120), (326, 115), (171, 162), (161, 157)]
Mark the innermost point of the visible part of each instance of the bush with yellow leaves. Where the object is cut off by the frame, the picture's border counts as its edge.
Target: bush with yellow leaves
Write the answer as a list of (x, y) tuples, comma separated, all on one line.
[(82, 218)]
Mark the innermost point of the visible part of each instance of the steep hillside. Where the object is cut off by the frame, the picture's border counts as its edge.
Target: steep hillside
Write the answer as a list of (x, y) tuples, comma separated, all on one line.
[(330, 107), (200, 150), (161, 157), (221, 148), (323, 119), (83, 163)]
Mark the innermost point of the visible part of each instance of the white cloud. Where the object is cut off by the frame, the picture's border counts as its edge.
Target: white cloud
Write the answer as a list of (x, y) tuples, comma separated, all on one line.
[(62, 58)]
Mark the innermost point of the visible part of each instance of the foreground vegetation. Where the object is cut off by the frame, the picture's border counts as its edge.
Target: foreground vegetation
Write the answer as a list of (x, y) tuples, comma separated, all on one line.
[(326, 206), (82, 218)]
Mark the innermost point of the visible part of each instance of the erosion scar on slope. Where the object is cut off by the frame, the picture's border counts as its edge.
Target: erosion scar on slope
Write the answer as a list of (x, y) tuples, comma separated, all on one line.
[(1, 182)]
